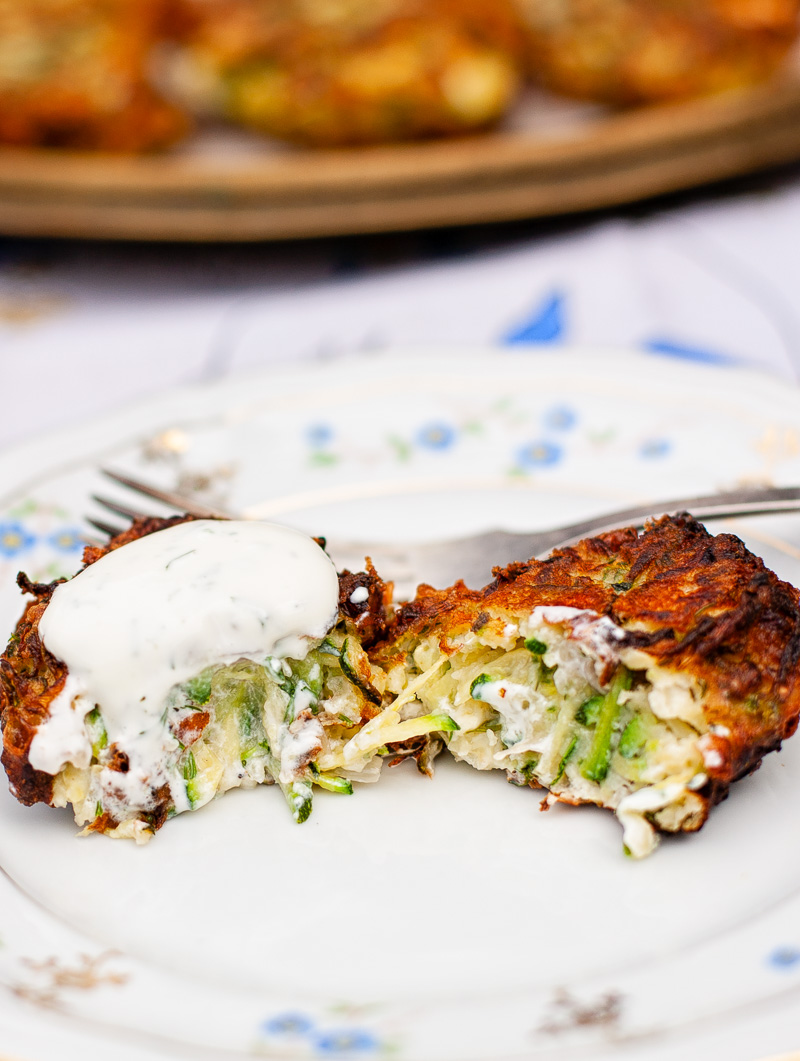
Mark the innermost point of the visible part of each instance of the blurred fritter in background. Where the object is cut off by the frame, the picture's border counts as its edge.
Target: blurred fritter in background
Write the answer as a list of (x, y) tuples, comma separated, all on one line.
[(135, 75), (635, 51), (354, 71), (75, 73)]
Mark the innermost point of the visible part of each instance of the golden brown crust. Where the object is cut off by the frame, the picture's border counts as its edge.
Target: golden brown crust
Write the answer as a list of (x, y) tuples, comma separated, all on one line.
[(30, 679), (691, 601), (368, 618)]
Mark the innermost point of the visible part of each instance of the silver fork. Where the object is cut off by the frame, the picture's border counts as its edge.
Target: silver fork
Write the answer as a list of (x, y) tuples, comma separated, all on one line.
[(472, 558)]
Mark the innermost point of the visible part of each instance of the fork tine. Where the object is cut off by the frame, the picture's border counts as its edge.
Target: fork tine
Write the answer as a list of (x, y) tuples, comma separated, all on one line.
[(117, 508), (177, 501), (105, 528)]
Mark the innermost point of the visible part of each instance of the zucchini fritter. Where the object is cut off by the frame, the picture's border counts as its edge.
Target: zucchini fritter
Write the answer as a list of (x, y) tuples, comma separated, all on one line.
[(73, 73), (234, 724), (640, 672), (635, 51), (644, 673), (352, 72)]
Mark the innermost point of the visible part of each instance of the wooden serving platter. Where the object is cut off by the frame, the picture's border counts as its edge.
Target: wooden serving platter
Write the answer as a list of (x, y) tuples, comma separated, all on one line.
[(213, 193)]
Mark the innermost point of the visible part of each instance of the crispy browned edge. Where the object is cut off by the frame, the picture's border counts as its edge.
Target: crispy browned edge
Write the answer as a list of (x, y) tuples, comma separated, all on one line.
[(31, 678), (692, 601)]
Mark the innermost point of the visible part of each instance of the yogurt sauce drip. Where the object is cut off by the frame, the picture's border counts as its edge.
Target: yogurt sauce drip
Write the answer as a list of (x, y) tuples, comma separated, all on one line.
[(156, 612)]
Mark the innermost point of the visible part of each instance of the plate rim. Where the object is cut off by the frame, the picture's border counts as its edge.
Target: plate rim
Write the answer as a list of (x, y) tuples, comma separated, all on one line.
[(133, 414)]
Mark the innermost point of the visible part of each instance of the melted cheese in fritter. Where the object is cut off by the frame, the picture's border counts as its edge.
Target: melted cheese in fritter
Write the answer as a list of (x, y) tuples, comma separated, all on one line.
[(560, 703)]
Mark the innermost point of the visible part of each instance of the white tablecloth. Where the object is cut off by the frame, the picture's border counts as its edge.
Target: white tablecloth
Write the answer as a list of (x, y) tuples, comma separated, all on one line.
[(85, 328)]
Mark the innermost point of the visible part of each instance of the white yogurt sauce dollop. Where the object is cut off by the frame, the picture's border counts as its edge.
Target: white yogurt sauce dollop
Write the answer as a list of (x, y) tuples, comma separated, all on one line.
[(156, 612)]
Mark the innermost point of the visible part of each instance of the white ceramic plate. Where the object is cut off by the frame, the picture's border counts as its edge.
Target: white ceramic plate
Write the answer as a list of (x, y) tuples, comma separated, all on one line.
[(427, 921)]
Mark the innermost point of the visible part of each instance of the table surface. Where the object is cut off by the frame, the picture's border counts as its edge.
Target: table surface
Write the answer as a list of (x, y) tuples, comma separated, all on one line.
[(87, 328)]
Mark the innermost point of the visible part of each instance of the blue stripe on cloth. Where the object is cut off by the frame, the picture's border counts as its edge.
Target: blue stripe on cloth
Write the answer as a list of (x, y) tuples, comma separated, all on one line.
[(668, 348), (545, 325)]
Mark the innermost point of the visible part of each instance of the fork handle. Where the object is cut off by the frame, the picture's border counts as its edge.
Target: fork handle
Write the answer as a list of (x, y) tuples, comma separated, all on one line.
[(473, 558), (756, 501)]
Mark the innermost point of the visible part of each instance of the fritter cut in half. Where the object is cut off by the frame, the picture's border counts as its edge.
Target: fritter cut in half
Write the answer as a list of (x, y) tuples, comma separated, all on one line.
[(74, 73), (187, 658), (357, 72), (643, 673), (640, 672)]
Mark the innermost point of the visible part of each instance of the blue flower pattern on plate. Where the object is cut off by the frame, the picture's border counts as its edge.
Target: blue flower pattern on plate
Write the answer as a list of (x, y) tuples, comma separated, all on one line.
[(288, 1024), (655, 447), (15, 538), (319, 435), (539, 454), (560, 418), (784, 957), (321, 1041), (346, 1042), (436, 436), (66, 540)]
